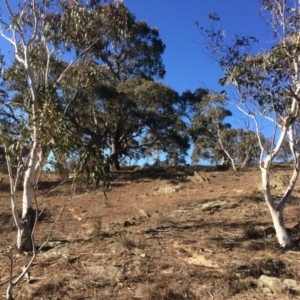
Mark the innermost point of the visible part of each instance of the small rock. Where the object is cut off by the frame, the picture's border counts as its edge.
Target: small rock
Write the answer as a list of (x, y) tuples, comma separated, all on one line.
[(212, 204), (167, 189), (291, 284), (56, 251), (89, 233), (267, 291), (239, 191), (167, 271), (142, 195), (178, 212), (120, 285), (272, 283), (197, 178), (143, 214)]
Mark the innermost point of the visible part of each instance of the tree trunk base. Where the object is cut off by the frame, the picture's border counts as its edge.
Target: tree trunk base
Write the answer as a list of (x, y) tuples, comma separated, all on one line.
[(27, 223), (291, 246)]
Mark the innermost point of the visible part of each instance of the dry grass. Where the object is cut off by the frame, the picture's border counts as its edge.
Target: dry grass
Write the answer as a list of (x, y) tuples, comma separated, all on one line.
[(126, 240), (97, 231), (178, 252), (251, 231)]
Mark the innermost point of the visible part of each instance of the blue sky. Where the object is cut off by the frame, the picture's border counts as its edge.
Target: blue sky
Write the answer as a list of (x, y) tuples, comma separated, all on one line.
[(187, 64)]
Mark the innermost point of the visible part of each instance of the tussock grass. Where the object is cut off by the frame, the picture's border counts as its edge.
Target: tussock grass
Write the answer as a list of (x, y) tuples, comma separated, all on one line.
[(250, 231), (126, 240), (96, 234)]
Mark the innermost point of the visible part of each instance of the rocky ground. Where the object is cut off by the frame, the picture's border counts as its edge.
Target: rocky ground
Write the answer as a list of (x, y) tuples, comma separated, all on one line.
[(161, 234)]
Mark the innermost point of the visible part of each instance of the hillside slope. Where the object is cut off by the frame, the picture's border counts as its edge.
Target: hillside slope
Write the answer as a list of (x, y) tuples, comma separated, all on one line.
[(190, 233)]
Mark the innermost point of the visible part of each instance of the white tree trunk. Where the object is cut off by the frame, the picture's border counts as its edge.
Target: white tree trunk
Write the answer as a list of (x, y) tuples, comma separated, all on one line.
[(226, 152), (30, 176), (278, 211), (281, 233), (33, 168)]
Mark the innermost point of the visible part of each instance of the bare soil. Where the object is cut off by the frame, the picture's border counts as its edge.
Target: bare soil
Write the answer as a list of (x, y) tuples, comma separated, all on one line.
[(151, 239)]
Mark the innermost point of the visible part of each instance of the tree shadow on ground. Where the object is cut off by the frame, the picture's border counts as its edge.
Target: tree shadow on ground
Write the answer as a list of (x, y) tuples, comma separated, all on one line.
[(167, 172)]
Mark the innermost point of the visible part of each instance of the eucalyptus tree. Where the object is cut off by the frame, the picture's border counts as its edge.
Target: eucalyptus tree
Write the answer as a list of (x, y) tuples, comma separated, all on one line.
[(207, 113), (243, 145), (169, 149), (146, 111), (122, 50), (45, 60), (267, 84), (230, 145)]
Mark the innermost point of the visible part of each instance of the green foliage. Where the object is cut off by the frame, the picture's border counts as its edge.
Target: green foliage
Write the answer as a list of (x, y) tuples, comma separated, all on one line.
[(242, 146), (208, 115), (207, 112), (116, 52), (43, 89), (267, 80), (267, 77), (110, 37)]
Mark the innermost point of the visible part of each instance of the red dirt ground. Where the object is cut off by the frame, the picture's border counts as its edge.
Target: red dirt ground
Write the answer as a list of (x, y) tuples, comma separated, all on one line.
[(152, 239)]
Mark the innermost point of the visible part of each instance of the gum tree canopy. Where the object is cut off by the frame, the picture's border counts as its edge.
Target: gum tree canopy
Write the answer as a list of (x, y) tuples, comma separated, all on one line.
[(34, 112), (267, 84), (127, 109)]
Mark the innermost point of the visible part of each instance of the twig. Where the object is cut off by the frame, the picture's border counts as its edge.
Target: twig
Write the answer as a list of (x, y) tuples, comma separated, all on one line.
[(211, 295), (45, 198), (54, 223)]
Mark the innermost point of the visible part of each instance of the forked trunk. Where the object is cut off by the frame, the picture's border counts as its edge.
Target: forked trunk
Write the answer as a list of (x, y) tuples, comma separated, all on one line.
[(278, 211), (278, 222), (277, 214)]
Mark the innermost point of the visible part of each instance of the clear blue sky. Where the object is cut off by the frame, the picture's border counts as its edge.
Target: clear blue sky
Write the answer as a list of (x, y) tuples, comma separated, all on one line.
[(187, 64)]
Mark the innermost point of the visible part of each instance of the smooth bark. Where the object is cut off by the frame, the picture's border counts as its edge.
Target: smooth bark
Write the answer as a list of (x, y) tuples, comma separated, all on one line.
[(33, 168), (277, 212)]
